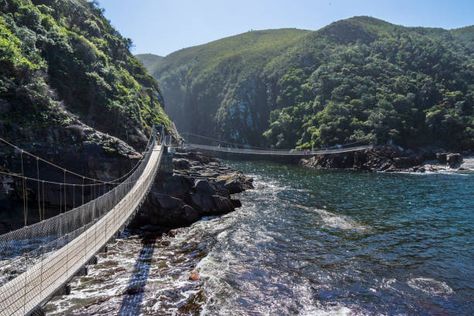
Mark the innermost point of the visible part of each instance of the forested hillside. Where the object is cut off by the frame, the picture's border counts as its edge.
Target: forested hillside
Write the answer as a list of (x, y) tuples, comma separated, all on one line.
[(360, 79), (70, 92), (63, 64), (217, 89)]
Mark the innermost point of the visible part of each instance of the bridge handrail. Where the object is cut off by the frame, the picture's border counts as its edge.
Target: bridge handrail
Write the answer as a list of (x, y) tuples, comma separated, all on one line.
[(52, 228), (41, 280), (277, 152)]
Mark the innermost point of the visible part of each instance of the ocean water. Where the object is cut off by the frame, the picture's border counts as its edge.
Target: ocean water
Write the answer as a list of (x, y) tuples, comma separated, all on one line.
[(305, 242)]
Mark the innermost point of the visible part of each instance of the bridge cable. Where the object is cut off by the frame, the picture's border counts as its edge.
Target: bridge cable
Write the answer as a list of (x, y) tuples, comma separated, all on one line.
[(114, 181), (65, 191), (38, 193), (44, 210), (25, 203)]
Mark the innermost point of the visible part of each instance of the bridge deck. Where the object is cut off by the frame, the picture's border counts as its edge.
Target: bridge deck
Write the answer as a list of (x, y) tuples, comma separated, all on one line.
[(28, 290)]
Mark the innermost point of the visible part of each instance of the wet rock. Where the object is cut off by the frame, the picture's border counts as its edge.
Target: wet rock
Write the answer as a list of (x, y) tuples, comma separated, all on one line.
[(379, 158), (235, 183), (177, 185), (441, 157), (203, 202), (199, 186), (204, 186), (165, 201), (236, 203), (222, 204), (454, 160), (181, 163), (407, 162)]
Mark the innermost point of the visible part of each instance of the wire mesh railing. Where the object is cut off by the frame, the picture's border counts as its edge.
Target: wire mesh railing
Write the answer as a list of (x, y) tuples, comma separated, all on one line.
[(71, 239), (302, 153)]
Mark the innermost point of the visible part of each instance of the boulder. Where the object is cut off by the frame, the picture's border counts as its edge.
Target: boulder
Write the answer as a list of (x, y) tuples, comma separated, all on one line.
[(203, 202), (235, 183), (177, 185), (407, 162), (454, 160), (181, 164), (165, 201), (204, 187), (223, 204), (441, 157)]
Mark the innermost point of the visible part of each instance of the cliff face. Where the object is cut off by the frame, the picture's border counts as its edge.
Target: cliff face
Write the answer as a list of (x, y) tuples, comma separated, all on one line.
[(219, 88), (71, 92), (356, 80)]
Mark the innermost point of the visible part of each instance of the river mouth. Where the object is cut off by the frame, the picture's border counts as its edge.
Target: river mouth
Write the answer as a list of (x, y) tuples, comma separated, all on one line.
[(303, 243)]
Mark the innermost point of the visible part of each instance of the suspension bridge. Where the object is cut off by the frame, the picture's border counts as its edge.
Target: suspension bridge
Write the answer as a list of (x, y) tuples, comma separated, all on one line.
[(236, 151), (47, 254)]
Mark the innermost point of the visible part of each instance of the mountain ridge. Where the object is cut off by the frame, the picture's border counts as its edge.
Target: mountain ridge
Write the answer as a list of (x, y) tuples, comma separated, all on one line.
[(338, 84)]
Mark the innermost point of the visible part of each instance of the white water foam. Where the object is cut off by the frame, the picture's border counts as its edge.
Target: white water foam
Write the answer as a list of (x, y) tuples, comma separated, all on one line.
[(468, 164), (332, 220), (329, 311), (340, 221), (430, 286)]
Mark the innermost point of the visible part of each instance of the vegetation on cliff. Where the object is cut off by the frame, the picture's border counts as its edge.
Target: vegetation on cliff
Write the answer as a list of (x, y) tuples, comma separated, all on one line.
[(360, 79), (62, 62)]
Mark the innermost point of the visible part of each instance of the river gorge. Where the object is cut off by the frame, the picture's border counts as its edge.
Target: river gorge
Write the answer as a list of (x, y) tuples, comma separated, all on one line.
[(304, 242)]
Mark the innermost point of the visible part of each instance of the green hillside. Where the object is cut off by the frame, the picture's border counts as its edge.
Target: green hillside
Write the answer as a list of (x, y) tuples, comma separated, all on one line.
[(204, 83), (61, 64), (360, 79), (150, 61)]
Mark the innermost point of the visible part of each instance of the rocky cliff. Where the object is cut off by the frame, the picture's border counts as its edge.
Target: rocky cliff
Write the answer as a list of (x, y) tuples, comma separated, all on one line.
[(70, 92)]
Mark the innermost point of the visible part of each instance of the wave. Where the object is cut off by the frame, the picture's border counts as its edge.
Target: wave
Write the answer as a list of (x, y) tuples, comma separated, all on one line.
[(340, 221), (332, 220), (430, 286)]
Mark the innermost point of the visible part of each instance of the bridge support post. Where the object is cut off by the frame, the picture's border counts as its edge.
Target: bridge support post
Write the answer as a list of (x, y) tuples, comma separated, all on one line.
[(166, 165)]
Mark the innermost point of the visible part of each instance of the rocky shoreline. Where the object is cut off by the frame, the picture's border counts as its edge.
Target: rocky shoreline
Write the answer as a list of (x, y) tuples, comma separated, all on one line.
[(195, 186), (388, 159)]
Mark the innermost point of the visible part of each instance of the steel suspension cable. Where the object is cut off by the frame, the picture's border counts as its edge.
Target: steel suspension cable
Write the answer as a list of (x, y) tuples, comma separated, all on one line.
[(114, 181), (38, 192), (25, 205)]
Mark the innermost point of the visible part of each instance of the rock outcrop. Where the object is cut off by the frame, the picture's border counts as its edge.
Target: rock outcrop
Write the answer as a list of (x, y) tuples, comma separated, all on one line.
[(386, 159), (199, 186)]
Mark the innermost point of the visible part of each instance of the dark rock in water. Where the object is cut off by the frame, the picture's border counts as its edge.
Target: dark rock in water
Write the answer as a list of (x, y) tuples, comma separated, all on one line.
[(442, 157), (165, 201), (177, 185), (164, 210), (203, 186), (223, 205), (181, 164), (235, 183), (454, 160), (407, 162), (379, 158), (199, 186), (203, 202), (236, 203)]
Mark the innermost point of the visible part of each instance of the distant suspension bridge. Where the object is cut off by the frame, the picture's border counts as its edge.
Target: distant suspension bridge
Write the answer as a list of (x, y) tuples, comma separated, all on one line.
[(228, 149)]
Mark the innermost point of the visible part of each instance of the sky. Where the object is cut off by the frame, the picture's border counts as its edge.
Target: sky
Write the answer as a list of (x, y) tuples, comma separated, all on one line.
[(164, 26)]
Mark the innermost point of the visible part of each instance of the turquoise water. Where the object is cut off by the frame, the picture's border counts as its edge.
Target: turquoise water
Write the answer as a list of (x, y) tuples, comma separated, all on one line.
[(313, 242)]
